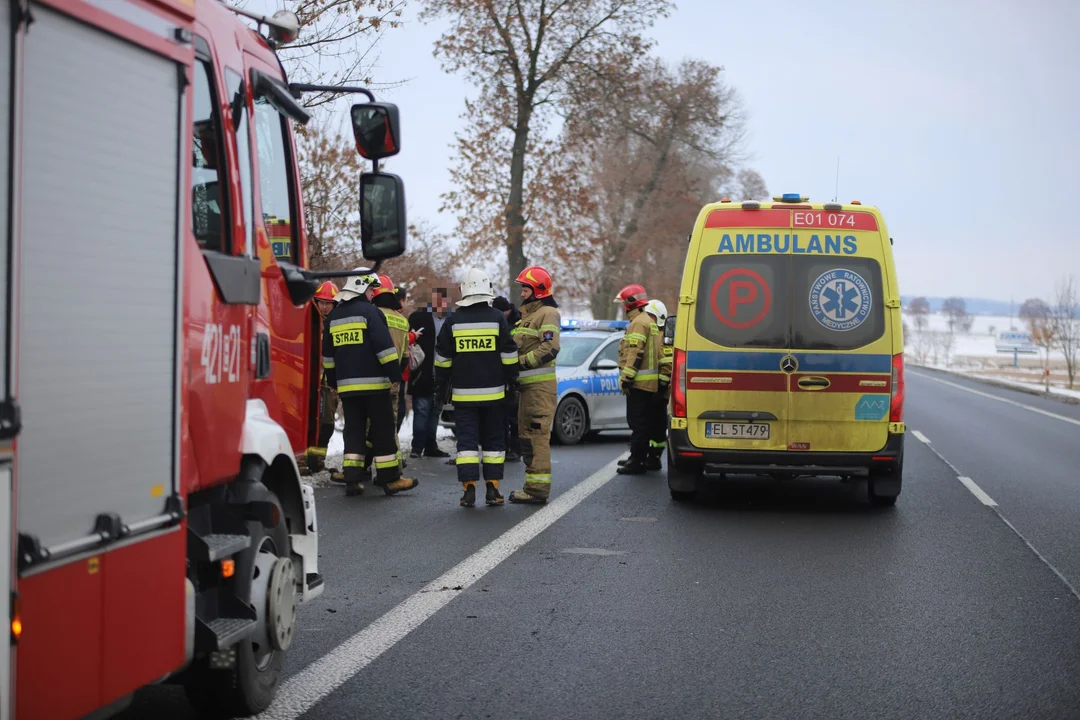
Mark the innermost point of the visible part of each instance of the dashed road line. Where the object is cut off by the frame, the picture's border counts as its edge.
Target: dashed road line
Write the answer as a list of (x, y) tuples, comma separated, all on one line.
[(302, 691), (989, 502)]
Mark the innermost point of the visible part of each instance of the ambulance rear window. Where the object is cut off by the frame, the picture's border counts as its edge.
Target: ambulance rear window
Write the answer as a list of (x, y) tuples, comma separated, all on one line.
[(790, 301)]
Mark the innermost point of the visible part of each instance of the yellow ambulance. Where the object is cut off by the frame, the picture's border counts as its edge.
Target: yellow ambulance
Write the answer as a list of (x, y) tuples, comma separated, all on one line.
[(788, 348)]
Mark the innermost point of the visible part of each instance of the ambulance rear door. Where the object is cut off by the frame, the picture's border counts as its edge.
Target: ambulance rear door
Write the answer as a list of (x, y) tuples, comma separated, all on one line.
[(840, 391)]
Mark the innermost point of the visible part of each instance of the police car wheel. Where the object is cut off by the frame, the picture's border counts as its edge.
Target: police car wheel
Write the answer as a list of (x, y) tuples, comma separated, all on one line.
[(571, 421)]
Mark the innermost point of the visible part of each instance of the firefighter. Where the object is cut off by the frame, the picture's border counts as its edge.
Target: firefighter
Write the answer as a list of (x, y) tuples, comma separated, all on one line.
[(361, 361), (513, 441), (325, 298), (537, 338), (476, 359), (384, 297), (639, 355), (658, 428)]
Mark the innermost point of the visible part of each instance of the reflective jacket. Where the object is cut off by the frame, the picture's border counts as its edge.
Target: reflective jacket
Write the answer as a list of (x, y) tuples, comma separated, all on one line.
[(359, 356), (639, 352), (399, 333), (477, 353), (537, 338)]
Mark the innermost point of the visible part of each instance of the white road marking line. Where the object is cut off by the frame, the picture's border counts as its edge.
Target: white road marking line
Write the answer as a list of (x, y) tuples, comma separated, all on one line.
[(1007, 401), (302, 691), (921, 437), (977, 491)]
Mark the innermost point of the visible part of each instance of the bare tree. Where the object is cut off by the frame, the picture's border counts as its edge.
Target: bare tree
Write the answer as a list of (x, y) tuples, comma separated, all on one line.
[(955, 310), (920, 312), (329, 168), (1065, 320), (1036, 315), (526, 56), (338, 44)]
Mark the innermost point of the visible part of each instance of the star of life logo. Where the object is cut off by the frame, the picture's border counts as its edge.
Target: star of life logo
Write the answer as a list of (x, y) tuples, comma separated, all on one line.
[(840, 300)]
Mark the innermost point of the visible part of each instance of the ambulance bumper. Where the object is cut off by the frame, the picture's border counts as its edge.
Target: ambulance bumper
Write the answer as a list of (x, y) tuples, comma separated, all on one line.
[(707, 462)]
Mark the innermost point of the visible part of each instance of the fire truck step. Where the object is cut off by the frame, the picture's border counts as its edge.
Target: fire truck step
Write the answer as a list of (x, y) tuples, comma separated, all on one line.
[(211, 548), (226, 632)]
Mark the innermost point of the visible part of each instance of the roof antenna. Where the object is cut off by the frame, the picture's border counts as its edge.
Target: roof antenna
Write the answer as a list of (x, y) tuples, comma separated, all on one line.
[(837, 190)]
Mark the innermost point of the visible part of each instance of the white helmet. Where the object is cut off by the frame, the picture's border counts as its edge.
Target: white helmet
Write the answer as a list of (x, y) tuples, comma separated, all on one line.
[(476, 287), (357, 286), (658, 310)]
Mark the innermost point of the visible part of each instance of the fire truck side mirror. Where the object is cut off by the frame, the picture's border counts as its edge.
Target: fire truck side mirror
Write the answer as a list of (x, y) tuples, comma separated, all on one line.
[(376, 129), (382, 216)]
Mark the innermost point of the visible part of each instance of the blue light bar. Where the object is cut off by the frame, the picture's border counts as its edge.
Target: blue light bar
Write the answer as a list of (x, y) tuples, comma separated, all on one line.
[(791, 198), (595, 324)]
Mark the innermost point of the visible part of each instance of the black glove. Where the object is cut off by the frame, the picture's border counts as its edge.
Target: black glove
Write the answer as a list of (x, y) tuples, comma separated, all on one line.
[(441, 394), (625, 386), (513, 393)]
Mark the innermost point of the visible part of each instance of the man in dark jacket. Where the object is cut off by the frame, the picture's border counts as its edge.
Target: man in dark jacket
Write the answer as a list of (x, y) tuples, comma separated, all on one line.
[(360, 360), (513, 442), (428, 321), (476, 359)]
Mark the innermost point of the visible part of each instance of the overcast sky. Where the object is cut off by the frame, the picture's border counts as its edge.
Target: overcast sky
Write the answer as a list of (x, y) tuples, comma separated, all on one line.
[(960, 119)]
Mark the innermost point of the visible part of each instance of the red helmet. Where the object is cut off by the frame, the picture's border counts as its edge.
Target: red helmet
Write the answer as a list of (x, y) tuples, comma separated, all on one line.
[(326, 291), (538, 279), (385, 286), (632, 296)]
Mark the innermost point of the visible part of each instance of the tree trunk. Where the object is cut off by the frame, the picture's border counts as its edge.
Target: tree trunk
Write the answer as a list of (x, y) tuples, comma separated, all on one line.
[(600, 303), (515, 221)]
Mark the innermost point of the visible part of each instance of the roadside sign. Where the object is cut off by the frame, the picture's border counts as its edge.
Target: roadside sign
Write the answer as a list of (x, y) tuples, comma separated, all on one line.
[(1016, 342)]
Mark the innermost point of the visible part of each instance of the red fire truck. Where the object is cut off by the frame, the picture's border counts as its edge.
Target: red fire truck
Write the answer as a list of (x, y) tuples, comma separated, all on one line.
[(158, 363)]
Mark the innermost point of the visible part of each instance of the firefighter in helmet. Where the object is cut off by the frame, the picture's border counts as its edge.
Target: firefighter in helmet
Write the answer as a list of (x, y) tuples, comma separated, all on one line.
[(537, 338), (361, 361), (315, 460), (385, 297), (639, 375), (476, 359), (658, 428)]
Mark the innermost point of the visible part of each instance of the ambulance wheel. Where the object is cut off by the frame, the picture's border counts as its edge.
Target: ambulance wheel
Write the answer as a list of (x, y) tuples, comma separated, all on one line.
[(682, 484), (571, 421), (250, 687)]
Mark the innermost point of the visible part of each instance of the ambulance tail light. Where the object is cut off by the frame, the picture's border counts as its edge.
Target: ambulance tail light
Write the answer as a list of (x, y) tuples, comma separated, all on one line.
[(896, 408), (678, 388)]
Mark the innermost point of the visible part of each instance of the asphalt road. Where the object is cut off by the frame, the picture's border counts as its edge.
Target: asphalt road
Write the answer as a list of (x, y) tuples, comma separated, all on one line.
[(763, 600)]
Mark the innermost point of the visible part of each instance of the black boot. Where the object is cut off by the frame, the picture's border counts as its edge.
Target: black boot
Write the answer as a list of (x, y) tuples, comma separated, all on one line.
[(633, 466), (468, 498), (353, 477), (494, 497), (653, 463)]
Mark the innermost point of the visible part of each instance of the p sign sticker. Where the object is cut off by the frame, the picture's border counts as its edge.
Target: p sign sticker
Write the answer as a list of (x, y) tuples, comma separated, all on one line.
[(740, 298)]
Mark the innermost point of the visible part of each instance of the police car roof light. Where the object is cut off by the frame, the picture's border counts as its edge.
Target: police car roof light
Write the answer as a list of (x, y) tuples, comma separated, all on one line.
[(595, 324), (791, 198)]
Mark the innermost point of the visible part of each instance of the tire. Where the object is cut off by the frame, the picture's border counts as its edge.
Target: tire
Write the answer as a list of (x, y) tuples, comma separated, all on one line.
[(680, 496), (250, 687), (571, 421), (883, 489), (683, 485)]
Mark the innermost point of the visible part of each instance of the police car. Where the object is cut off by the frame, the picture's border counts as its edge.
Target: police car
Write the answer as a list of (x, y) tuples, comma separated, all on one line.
[(588, 371)]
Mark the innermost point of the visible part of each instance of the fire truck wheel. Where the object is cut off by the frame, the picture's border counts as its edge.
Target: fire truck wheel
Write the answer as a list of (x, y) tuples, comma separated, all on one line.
[(250, 687)]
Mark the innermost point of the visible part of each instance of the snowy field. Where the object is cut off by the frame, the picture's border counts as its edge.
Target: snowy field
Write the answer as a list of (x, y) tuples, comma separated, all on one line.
[(975, 353)]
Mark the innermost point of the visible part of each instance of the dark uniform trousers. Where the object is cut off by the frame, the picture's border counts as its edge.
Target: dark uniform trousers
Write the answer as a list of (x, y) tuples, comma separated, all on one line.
[(378, 408), (641, 416), (480, 426), (658, 424)]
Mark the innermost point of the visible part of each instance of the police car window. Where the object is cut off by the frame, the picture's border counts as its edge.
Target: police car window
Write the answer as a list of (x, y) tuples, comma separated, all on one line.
[(836, 303), (274, 182), (209, 194), (575, 350), (742, 301), (610, 352)]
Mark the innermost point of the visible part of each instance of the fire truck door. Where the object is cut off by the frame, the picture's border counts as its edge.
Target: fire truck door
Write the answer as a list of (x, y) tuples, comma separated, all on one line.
[(99, 304)]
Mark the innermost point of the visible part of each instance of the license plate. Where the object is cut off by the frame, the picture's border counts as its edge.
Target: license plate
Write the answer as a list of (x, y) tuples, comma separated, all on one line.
[(737, 431)]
